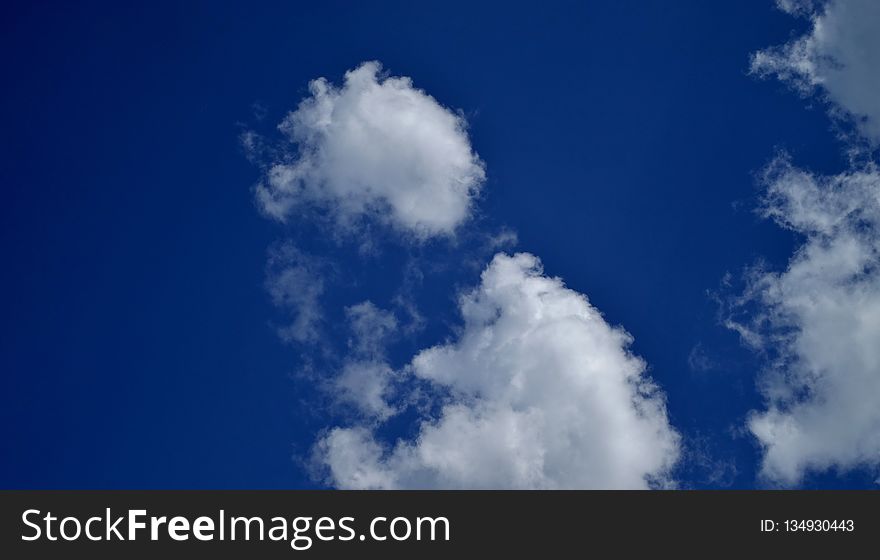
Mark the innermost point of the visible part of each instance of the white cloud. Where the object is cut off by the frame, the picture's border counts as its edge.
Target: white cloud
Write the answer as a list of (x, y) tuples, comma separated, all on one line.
[(370, 328), (840, 55), (821, 318), (376, 147), (366, 381), (368, 386), (537, 391), (295, 283)]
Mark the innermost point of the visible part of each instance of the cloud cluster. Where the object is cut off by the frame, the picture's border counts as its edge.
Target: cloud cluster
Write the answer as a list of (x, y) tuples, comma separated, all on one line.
[(376, 147), (820, 319), (537, 391), (840, 56)]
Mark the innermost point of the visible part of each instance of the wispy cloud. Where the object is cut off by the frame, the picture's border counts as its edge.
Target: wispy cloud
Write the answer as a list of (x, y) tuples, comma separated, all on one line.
[(698, 359), (839, 57), (295, 282), (820, 321)]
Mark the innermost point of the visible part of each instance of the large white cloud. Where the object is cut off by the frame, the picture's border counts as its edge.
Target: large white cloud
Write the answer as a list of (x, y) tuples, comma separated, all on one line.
[(376, 147), (537, 391), (820, 319), (840, 55)]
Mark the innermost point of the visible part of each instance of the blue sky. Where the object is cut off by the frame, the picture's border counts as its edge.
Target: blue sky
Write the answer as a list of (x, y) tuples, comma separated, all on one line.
[(622, 143)]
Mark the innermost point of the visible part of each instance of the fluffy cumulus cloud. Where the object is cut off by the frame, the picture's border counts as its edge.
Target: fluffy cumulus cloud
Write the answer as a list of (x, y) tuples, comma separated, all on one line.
[(536, 391), (840, 56), (375, 147), (820, 320)]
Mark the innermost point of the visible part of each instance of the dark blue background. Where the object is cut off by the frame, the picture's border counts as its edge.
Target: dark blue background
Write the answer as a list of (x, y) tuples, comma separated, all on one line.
[(136, 339)]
